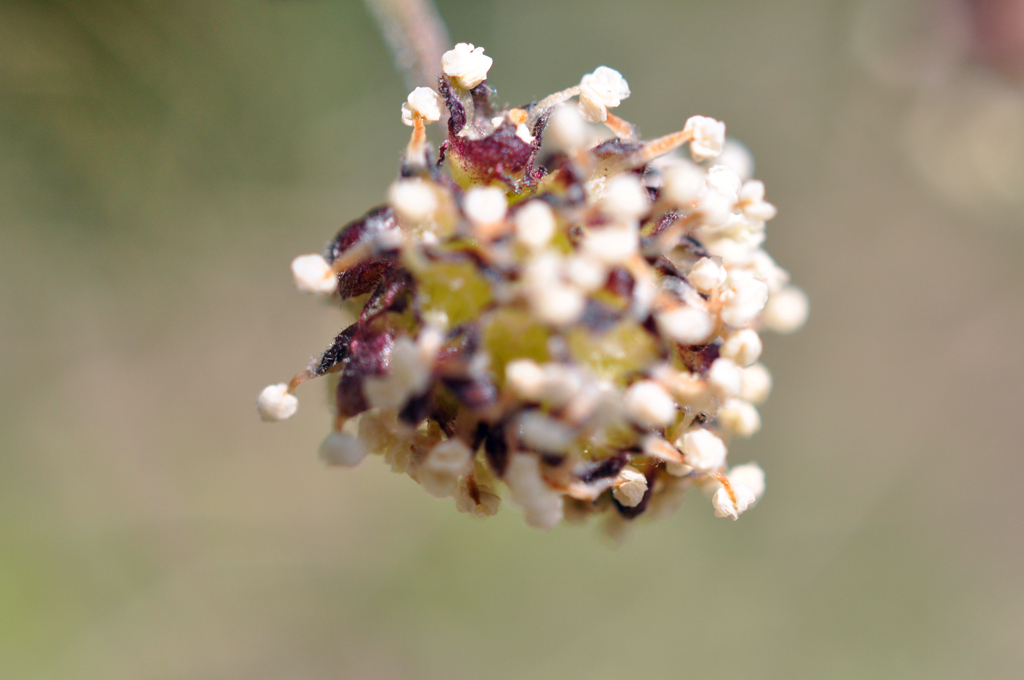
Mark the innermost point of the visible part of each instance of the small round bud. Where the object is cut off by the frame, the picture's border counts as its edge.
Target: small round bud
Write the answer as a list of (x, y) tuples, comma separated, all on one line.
[(706, 275), (541, 505), (313, 274), (485, 206), (551, 299), (725, 378), (526, 378), (728, 506), (686, 325), (715, 208), (414, 200), (757, 384), (544, 434), (703, 449), (466, 65), (740, 417), (724, 180), (625, 198), (743, 300), (535, 224), (562, 305), (749, 475), (342, 449), (451, 457), (744, 347), (649, 405), (567, 130), (611, 245), (754, 205), (408, 376), (683, 182), (738, 157), (586, 271), (629, 487), (787, 310), (422, 102), (276, 403), (562, 384), (707, 137)]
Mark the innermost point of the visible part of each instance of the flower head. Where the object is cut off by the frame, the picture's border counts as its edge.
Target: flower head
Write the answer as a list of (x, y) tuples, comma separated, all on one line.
[(579, 321)]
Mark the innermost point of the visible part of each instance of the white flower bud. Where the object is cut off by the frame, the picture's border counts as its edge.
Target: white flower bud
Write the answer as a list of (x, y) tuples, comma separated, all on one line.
[(276, 403), (757, 384), (545, 434), (743, 300), (567, 131), (723, 180), (765, 268), (466, 65), (551, 299), (727, 506), (629, 487), (744, 347), (738, 157), (342, 449), (754, 205), (749, 475), (611, 245), (715, 208), (541, 505), (683, 182), (707, 135), (686, 325), (562, 384), (740, 417), (686, 387), (725, 378), (706, 275), (451, 458), (485, 206), (422, 102), (649, 405), (535, 224), (603, 89), (312, 274), (704, 451), (408, 375), (558, 305), (786, 310), (414, 200), (587, 272), (625, 198), (526, 378)]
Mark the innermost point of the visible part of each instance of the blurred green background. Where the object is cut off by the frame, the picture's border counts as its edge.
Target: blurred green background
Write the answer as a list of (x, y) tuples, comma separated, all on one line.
[(161, 164)]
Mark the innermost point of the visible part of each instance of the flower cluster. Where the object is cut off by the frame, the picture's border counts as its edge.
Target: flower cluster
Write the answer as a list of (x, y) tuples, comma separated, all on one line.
[(554, 305)]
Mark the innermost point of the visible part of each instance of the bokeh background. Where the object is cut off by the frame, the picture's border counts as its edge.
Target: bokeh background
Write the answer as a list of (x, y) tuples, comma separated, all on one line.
[(161, 164)]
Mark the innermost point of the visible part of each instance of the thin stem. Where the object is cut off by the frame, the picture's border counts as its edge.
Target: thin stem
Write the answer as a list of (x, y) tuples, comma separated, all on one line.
[(416, 35), (553, 100)]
